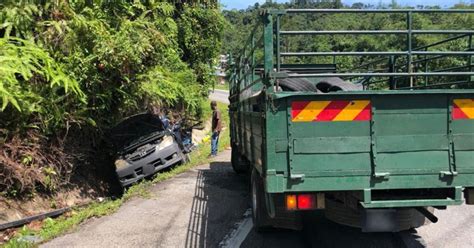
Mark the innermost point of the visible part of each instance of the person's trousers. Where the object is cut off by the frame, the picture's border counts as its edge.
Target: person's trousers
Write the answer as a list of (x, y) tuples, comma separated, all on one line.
[(214, 143)]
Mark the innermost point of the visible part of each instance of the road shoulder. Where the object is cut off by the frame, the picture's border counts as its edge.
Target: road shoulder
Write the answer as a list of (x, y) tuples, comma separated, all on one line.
[(196, 208)]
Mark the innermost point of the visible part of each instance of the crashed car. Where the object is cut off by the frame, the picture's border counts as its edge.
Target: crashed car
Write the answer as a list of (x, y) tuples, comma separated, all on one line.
[(144, 147)]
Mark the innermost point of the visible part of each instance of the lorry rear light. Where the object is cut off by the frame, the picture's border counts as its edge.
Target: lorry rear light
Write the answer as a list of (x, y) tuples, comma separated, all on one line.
[(306, 202), (291, 203)]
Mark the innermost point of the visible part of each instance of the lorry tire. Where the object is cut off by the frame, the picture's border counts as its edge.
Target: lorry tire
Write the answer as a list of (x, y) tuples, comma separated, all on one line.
[(297, 84), (239, 162), (259, 210), (262, 221), (333, 84)]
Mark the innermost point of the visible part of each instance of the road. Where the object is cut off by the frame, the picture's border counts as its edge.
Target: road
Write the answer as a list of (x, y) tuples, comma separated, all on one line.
[(219, 95), (208, 207)]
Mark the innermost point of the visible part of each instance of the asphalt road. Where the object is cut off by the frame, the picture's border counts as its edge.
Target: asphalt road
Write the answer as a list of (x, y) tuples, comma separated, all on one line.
[(219, 95), (208, 207)]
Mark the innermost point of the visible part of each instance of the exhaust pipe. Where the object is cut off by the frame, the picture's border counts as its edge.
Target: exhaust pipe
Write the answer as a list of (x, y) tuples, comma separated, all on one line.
[(430, 216)]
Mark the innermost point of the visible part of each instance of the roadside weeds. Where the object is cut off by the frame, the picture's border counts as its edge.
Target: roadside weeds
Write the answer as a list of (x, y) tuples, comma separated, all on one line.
[(52, 228)]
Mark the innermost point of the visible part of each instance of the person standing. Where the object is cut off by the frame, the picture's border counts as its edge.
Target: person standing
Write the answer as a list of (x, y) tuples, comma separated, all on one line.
[(216, 128)]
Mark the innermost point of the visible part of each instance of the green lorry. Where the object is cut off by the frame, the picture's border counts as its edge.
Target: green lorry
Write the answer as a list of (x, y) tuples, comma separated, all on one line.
[(377, 147)]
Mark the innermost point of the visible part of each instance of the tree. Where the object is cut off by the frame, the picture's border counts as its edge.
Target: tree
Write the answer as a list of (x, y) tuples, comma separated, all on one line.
[(394, 4)]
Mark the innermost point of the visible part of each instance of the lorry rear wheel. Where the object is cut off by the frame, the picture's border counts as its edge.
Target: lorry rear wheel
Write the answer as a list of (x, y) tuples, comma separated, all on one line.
[(259, 211), (239, 163)]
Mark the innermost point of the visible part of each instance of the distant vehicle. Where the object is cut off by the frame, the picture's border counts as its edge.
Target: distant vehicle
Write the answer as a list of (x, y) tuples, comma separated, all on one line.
[(377, 150), (144, 147)]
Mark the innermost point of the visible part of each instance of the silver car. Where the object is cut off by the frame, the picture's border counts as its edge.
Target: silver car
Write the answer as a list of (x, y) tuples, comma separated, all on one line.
[(144, 148)]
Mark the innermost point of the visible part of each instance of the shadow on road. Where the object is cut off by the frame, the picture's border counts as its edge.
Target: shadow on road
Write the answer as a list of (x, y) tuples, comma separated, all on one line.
[(321, 232), (220, 200)]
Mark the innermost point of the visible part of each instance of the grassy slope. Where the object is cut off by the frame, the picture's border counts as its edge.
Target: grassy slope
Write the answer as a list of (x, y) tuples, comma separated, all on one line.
[(52, 228)]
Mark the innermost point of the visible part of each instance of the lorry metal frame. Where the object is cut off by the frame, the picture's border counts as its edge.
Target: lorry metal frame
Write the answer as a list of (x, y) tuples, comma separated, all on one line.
[(363, 156)]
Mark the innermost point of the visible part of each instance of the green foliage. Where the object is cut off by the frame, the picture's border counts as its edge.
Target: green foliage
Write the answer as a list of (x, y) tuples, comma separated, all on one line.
[(94, 62), (17, 19), (108, 49), (171, 87), (34, 84), (200, 39)]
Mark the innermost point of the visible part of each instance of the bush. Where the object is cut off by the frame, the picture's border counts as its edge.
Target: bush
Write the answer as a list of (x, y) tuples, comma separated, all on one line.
[(89, 64)]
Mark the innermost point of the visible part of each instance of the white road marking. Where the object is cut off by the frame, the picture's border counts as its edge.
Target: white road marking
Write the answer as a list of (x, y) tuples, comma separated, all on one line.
[(239, 233)]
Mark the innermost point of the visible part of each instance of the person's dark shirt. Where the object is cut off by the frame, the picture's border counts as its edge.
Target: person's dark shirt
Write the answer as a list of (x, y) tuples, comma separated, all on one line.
[(216, 121)]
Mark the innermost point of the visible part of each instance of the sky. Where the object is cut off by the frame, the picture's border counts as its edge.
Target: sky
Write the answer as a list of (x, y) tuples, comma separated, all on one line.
[(242, 4)]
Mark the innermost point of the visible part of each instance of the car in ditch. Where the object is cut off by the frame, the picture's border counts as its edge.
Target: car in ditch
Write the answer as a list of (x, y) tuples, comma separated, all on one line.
[(144, 147)]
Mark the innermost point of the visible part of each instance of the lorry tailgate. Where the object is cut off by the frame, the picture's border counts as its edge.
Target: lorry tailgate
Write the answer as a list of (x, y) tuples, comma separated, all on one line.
[(376, 137)]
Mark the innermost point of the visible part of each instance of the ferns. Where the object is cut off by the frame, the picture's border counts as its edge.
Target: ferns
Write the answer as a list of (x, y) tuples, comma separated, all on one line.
[(17, 19), (27, 73), (169, 88), (109, 48)]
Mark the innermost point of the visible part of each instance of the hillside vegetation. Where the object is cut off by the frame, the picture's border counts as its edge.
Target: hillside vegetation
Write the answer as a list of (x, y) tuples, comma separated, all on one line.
[(69, 70), (243, 22)]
